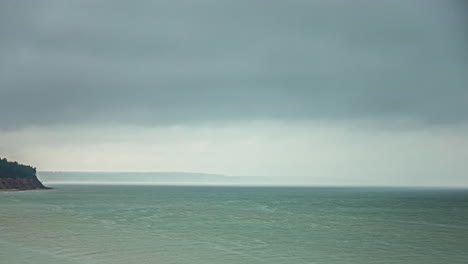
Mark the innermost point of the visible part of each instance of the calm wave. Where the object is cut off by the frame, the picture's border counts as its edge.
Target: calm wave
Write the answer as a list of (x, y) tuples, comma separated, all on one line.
[(162, 224)]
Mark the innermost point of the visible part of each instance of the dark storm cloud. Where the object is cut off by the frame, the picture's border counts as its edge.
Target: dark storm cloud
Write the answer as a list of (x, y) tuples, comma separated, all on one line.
[(162, 62)]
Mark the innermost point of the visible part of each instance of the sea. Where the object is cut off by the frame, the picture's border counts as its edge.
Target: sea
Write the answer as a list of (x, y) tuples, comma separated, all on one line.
[(113, 224)]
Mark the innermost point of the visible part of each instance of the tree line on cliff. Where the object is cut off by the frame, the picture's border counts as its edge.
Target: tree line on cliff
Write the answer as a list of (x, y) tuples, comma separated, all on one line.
[(9, 169)]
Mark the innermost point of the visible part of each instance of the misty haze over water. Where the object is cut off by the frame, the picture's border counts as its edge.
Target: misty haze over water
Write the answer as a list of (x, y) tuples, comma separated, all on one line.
[(333, 92)]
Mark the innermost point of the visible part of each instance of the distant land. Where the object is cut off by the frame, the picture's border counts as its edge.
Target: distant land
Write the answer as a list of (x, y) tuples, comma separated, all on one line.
[(164, 178), (15, 177), (172, 178)]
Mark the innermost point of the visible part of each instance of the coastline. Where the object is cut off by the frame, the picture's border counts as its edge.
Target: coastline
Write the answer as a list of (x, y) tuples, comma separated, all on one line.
[(18, 190), (18, 177), (21, 184)]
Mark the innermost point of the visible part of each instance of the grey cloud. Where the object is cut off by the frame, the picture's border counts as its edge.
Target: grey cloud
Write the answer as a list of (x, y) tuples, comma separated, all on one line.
[(166, 62)]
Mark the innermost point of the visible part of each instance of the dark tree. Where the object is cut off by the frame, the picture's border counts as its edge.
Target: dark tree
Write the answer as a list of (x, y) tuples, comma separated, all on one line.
[(10, 169)]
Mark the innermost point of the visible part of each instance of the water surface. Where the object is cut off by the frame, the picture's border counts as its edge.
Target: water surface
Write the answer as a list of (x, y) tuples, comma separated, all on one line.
[(164, 224)]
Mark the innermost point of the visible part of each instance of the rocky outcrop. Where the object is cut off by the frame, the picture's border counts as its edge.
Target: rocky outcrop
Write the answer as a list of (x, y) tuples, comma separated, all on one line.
[(21, 184), (16, 176)]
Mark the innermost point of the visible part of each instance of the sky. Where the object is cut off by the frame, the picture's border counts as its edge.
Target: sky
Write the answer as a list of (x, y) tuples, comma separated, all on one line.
[(336, 92)]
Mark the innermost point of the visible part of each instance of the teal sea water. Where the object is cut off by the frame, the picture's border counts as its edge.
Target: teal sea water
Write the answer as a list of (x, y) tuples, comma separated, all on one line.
[(163, 224)]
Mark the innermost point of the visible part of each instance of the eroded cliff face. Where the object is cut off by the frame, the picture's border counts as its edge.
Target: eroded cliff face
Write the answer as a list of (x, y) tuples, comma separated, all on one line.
[(21, 184)]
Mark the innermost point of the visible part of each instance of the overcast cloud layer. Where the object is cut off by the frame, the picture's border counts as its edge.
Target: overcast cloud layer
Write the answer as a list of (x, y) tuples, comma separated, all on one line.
[(157, 63), (307, 91)]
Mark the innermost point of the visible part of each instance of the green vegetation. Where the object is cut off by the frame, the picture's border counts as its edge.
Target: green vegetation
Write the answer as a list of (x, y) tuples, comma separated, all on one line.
[(10, 169)]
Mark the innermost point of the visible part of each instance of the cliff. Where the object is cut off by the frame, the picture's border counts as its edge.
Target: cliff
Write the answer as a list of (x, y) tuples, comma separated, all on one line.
[(15, 176)]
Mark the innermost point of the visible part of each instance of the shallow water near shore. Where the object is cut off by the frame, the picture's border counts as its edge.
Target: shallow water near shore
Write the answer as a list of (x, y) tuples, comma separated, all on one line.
[(164, 224)]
